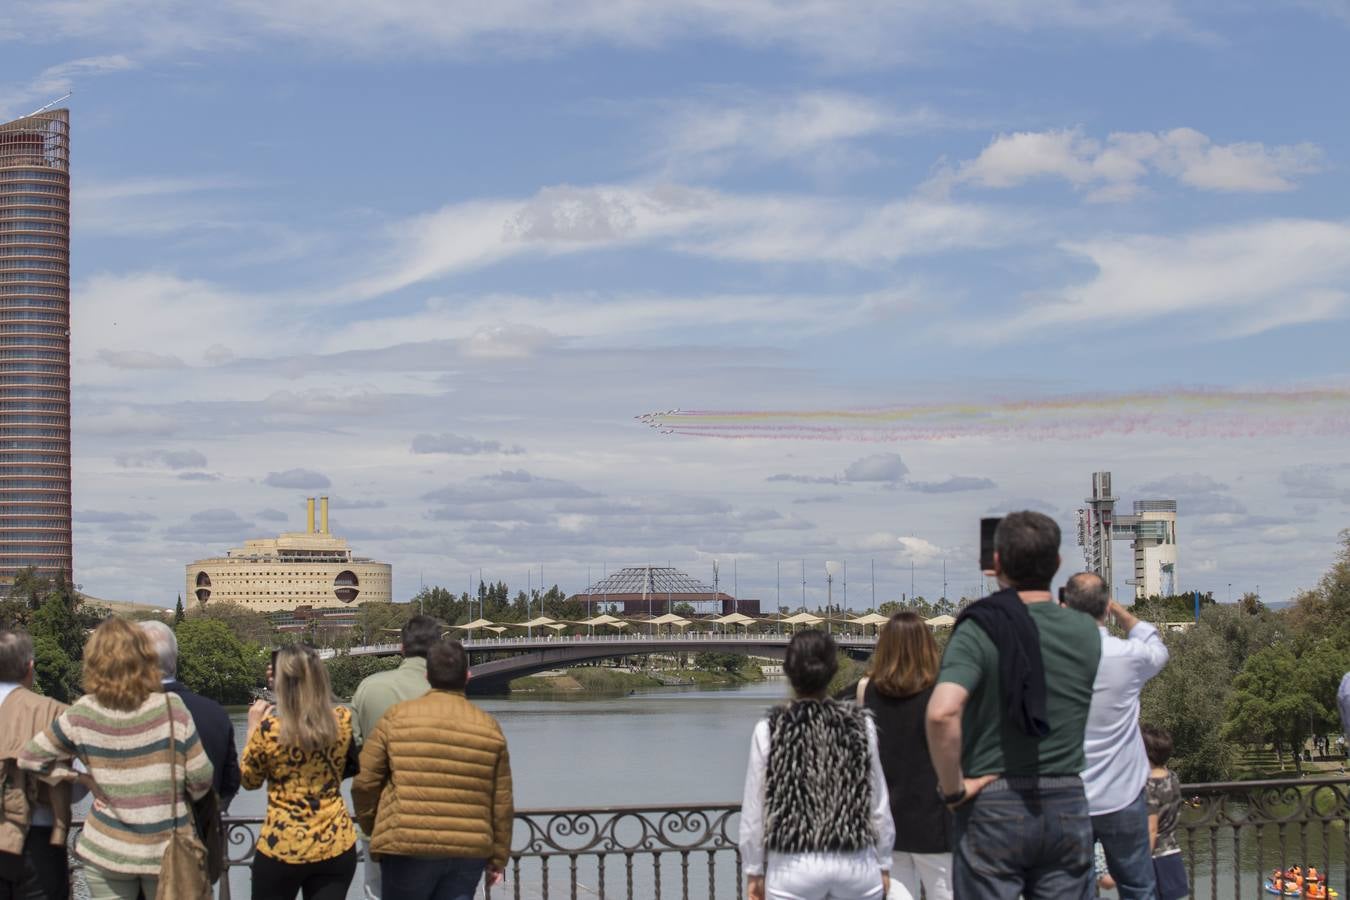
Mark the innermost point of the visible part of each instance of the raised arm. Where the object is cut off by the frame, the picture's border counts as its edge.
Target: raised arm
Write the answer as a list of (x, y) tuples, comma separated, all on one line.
[(1146, 645)]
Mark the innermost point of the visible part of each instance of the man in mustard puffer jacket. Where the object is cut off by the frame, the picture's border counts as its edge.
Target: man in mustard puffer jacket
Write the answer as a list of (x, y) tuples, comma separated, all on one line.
[(434, 791)]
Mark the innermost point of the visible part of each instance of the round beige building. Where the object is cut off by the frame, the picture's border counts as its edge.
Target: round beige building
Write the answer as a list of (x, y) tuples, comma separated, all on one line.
[(310, 568)]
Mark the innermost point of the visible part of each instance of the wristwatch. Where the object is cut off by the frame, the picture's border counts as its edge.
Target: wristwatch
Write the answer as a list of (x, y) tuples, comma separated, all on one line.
[(954, 798)]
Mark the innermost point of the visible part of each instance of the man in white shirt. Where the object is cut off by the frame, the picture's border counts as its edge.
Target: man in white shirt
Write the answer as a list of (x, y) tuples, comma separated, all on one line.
[(1343, 701), (1117, 765)]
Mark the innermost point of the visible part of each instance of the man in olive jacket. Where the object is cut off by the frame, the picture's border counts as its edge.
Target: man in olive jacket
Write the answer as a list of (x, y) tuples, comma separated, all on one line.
[(436, 800)]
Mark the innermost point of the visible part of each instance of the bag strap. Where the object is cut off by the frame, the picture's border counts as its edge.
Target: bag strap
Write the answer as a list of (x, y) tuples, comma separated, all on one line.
[(862, 689), (172, 751)]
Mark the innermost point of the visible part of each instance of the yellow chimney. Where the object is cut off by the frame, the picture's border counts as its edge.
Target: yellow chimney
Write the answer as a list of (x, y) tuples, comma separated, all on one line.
[(323, 515), (309, 514)]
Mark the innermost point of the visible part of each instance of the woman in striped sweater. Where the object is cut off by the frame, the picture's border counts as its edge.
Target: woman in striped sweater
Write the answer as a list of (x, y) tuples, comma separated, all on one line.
[(120, 728)]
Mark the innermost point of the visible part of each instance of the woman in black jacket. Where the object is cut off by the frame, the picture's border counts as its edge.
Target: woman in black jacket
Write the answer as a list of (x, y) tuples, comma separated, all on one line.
[(896, 690)]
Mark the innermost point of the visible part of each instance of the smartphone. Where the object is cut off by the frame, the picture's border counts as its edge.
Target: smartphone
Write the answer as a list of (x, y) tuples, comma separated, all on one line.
[(987, 529)]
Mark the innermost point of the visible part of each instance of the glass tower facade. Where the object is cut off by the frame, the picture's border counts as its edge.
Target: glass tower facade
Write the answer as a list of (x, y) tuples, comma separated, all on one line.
[(35, 525)]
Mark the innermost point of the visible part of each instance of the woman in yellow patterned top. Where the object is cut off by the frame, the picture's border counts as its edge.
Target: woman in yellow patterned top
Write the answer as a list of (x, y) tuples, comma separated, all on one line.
[(302, 750)]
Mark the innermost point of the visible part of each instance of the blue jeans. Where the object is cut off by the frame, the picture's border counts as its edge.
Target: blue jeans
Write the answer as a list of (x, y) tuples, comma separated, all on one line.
[(1124, 836), (1024, 837), (430, 877)]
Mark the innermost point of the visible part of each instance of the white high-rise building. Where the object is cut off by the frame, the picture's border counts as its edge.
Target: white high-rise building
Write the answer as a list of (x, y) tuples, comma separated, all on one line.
[(1152, 529)]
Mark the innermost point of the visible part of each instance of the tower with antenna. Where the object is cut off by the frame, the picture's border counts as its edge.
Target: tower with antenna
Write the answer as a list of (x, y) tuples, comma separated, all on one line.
[(35, 521)]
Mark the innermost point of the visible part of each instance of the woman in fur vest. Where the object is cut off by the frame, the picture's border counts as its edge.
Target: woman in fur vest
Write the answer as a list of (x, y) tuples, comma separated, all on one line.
[(816, 818)]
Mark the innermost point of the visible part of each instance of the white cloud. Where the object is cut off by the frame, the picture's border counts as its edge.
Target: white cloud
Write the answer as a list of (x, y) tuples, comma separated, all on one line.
[(1114, 169), (299, 479), (704, 222), (56, 80), (815, 128), (172, 459), (1245, 278), (883, 467), (459, 445), (864, 32)]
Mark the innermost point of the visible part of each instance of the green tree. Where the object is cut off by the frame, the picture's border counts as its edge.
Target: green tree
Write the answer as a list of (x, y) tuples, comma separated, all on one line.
[(59, 620), (1271, 702), (346, 672), (246, 624), (215, 663), (178, 615)]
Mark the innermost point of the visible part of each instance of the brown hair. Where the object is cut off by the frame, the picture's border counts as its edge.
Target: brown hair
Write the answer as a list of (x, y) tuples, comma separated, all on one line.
[(121, 667), (304, 699), (906, 659), (1157, 744)]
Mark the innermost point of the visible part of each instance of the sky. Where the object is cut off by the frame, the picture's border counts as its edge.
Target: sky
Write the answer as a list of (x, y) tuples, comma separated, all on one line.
[(433, 260)]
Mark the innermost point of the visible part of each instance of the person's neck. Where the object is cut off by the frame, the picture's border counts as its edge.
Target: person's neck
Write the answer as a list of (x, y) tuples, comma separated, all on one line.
[(1034, 596)]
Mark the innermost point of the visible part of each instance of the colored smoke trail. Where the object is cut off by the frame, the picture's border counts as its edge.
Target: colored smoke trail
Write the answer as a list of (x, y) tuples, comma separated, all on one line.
[(1184, 413)]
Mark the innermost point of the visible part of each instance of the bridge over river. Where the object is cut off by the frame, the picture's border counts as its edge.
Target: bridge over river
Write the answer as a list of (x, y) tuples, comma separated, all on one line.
[(495, 661)]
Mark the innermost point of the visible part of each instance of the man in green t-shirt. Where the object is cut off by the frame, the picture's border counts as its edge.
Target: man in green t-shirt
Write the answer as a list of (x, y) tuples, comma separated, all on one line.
[(1008, 757)]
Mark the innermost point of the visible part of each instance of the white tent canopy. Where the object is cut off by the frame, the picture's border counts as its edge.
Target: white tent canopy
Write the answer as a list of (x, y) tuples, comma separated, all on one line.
[(732, 619), (667, 619), (475, 625), (605, 619), (802, 619), (941, 621), (556, 626), (870, 619), (534, 623)]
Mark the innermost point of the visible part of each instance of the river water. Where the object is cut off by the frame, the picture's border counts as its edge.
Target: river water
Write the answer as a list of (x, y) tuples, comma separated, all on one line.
[(682, 745)]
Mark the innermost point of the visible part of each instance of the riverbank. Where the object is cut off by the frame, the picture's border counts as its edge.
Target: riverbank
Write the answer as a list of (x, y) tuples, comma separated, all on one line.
[(611, 680)]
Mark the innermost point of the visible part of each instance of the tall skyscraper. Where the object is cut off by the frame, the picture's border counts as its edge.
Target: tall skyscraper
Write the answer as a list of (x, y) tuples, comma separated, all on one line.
[(35, 346)]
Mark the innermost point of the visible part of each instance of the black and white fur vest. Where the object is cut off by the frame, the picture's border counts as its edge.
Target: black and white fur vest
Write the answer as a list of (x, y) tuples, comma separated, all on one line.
[(818, 787)]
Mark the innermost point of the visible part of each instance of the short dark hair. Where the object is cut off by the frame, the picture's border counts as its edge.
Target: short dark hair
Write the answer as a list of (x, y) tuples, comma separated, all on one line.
[(447, 666), (419, 634), (1157, 744), (811, 661), (1027, 544), (16, 652), (1087, 593)]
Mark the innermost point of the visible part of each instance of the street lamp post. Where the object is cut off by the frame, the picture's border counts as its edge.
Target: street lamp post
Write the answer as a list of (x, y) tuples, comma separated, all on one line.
[(831, 567)]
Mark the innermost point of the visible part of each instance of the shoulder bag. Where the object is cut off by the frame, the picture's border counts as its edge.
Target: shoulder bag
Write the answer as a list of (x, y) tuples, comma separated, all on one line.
[(182, 871)]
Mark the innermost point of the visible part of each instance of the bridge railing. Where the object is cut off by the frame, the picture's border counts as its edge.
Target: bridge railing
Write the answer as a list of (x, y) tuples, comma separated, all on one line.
[(1232, 834), (516, 641)]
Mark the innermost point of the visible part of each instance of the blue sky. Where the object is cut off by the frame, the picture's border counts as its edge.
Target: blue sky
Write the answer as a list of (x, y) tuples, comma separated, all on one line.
[(437, 256)]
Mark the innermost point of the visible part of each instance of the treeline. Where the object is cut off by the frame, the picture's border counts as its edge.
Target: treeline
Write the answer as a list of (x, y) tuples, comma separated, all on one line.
[(1247, 677)]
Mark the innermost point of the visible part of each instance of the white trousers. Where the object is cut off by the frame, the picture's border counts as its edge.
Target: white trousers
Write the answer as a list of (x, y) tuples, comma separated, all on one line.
[(823, 876), (911, 871)]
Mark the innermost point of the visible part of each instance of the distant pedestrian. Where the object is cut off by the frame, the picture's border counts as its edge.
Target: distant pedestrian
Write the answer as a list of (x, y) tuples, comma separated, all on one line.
[(1164, 808), (896, 691), (1343, 701), (376, 693), (302, 748), (144, 757), (816, 817), (1117, 766), (1005, 728), (436, 797)]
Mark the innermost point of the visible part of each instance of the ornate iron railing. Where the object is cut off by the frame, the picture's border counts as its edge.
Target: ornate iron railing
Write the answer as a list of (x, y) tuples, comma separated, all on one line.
[(1235, 834), (1232, 834)]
